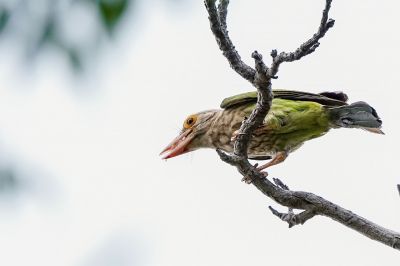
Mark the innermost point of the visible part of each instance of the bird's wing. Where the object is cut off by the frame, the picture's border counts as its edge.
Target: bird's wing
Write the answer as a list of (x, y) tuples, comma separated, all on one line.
[(247, 97), (324, 98)]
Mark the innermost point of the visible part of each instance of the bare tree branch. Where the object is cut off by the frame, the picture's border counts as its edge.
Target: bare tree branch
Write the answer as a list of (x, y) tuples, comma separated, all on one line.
[(218, 27), (320, 206), (261, 77)]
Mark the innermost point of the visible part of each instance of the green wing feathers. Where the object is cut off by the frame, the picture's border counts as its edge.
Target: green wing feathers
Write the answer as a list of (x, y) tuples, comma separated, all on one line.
[(288, 116), (290, 123), (239, 99), (324, 98)]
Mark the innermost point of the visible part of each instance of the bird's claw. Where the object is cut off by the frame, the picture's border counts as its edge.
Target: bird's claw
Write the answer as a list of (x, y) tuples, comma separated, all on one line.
[(248, 180), (234, 135)]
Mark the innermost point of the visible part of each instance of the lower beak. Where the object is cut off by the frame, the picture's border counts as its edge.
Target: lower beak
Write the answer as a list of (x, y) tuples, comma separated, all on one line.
[(375, 130), (178, 145)]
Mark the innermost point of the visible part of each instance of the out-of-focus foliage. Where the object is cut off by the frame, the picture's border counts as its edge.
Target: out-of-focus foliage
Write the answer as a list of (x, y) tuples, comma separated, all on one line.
[(8, 181), (111, 12), (73, 27), (4, 16)]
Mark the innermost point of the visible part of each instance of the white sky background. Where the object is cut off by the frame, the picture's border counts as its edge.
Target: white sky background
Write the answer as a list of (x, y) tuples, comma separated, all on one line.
[(100, 195)]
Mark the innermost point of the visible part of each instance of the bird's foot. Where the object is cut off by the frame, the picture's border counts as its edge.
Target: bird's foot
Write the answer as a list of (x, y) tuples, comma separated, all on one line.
[(248, 180), (279, 157), (257, 131), (235, 135)]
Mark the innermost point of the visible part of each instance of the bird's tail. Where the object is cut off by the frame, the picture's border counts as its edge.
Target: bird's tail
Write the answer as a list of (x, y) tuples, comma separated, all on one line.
[(356, 115)]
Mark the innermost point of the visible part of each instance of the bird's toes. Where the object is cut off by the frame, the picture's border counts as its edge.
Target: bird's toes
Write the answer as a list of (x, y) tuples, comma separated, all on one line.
[(247, 180), (234, 135), (264, 173)]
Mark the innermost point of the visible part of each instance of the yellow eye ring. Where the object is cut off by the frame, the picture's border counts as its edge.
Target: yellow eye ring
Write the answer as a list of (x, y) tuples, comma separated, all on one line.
[(190, 121)]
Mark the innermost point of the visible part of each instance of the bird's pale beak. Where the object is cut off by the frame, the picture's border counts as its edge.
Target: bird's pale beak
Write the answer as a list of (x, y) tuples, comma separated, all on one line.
[(179, 145), (375, 130)]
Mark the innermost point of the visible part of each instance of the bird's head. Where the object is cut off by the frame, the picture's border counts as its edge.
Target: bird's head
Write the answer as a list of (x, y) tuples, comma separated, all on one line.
[(192, 135)]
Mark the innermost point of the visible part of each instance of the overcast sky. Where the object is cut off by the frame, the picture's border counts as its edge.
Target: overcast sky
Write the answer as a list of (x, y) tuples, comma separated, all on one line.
[(98, 194)]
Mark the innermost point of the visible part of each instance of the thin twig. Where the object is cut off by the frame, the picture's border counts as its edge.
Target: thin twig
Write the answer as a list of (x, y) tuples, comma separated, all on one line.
[(291, 218), (307, 47)]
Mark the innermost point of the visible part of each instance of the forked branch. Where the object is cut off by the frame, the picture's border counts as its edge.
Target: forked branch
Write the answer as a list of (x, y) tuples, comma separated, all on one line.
[(261, 77)]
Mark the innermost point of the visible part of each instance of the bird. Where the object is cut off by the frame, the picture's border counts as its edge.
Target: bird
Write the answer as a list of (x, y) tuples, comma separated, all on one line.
[(294, 118)]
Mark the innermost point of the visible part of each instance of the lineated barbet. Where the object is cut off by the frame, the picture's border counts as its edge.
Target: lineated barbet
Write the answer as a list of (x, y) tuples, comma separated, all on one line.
[(294, 118)]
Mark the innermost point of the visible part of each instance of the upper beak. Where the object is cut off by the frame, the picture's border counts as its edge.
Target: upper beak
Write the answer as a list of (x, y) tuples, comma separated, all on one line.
[(178, 145)]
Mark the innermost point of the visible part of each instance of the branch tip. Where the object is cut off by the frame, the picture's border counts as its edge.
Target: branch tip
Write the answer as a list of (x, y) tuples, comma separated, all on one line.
[(330, 23), (274, 212), (261, 68), (223, 155), (280, 184), (293, 219), (231, 159), (256, 56)]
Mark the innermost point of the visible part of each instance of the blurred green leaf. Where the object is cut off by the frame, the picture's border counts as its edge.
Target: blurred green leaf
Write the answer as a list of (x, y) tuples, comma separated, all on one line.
[(4, 16), (43, 26), (111, 12), (48, 31)]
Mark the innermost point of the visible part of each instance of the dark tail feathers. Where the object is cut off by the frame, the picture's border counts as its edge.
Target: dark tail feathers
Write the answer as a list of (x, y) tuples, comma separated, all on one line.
[(356, 115)]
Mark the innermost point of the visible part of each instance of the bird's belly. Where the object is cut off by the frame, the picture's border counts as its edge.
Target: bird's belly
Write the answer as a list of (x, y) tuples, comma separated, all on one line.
[(257, 146), (271, 145)]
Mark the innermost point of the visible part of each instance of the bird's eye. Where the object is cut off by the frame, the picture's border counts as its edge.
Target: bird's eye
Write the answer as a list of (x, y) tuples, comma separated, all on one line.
[(189, 122)]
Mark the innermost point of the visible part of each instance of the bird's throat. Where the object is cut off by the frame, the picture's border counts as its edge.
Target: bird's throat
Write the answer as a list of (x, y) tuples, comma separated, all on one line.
[(222, 129)]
